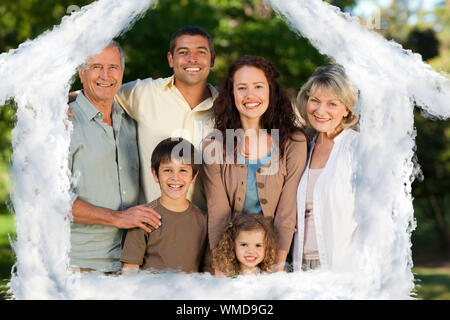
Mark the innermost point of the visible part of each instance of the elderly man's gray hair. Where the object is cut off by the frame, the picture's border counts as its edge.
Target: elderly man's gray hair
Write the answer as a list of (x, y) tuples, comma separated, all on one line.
[(114, 44)]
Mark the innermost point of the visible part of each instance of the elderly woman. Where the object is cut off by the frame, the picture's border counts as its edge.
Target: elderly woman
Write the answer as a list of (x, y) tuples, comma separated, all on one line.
[(326, 202), (255, 169)]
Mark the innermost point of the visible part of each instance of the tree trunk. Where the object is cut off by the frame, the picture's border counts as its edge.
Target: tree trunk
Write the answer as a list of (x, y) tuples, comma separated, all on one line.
[(439, 222)]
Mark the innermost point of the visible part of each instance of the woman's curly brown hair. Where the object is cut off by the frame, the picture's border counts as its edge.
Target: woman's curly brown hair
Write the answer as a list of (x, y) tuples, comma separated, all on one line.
[(224, 258), (279, 115)]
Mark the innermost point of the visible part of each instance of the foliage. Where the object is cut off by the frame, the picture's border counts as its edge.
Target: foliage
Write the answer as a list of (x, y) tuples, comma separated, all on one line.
[(432, 195), (238, 28), (442, 23), (21, 20), (430, 37)]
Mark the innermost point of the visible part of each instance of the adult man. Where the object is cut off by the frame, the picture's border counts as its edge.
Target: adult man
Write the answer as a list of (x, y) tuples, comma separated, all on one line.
[(105, 165), (179, 105)]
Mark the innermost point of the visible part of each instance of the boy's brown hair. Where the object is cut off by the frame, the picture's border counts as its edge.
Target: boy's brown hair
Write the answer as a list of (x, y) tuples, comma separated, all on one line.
[(176, 149)]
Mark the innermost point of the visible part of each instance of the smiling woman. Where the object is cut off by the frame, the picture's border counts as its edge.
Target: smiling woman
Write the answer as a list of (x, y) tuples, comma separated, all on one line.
[(251, 94), (326, 202), (251, 102)]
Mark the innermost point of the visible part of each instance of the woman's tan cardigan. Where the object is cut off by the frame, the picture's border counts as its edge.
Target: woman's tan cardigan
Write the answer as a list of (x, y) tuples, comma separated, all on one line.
[(277, 182)]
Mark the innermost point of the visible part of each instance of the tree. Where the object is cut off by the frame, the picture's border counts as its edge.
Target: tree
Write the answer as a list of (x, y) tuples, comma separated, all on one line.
[(430, 38), (238, 28), (431, 194), (442, 23)]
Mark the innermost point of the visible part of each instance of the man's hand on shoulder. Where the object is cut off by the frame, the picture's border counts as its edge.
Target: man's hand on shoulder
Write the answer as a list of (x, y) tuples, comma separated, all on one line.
[(72, 97), (138, 217)]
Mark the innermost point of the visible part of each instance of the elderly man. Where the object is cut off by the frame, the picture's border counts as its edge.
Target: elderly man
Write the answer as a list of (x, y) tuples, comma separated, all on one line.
[(104, 161)]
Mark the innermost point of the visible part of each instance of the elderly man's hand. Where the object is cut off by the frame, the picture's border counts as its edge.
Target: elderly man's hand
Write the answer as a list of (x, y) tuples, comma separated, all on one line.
[(72, 96), (138, 217)]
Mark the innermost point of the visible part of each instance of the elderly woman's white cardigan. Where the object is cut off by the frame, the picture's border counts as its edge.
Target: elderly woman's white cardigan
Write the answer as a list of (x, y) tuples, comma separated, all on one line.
[(333, 205)]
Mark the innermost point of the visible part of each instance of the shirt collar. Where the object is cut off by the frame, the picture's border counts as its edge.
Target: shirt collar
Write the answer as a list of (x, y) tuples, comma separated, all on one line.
[(341, 135), (116, 108), (213, 90), (337, 139), (86, 106), (170, 82), (90, 110)]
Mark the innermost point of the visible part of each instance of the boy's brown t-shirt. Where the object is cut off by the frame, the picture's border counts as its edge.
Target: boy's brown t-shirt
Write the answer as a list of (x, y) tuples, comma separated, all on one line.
[(178, 244)]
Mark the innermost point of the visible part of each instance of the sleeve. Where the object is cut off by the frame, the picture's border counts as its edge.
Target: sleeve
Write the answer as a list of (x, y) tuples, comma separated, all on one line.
[(134, 247), (219, 210), (73, 188), (73, 150), (285, 219), (129, 95)]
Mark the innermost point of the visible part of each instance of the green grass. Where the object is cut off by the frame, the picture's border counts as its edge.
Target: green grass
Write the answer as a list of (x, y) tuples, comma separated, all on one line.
[(433, 284), (6, 227), (4, 181), (6, 253)]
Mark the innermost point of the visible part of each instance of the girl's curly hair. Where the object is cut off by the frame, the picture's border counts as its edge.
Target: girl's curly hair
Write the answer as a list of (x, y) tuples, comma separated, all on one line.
[(224, 258)]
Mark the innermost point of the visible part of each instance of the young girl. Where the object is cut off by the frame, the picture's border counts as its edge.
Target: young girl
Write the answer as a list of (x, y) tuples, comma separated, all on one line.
[(248, 246)]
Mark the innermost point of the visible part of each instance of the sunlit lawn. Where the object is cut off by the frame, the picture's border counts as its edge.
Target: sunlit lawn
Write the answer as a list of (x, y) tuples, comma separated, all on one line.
[(6, 253), (434, 282)]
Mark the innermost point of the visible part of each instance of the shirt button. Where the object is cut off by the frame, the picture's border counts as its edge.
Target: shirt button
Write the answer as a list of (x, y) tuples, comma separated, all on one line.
[(260, 185), (263, 201)]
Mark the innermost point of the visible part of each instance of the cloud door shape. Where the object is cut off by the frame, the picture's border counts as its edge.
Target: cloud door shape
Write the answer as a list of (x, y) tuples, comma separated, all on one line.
[(391, 80), (38, 76)]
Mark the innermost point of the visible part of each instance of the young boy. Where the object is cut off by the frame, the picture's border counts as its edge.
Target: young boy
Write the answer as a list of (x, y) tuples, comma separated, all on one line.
[(180, 242)]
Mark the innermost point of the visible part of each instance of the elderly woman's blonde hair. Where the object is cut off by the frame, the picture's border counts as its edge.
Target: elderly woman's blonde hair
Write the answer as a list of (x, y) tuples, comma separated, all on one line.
[(334, 79)]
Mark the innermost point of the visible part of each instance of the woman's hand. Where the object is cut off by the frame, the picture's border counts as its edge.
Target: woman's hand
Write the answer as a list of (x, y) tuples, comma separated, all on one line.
[(280, 261)]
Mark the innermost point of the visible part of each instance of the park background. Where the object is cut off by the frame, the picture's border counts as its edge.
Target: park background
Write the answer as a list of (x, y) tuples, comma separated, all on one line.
[(248, 27)]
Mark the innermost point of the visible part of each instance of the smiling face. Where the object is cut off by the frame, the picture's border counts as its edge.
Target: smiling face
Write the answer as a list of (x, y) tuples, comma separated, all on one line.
[(325, 112), (102, 76), (250, 250), (191, 60), (251, 92), (174, 178)]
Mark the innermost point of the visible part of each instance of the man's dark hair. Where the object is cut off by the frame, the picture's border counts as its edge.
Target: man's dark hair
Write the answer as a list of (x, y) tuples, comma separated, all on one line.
[(191, 31), (176, 149)]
